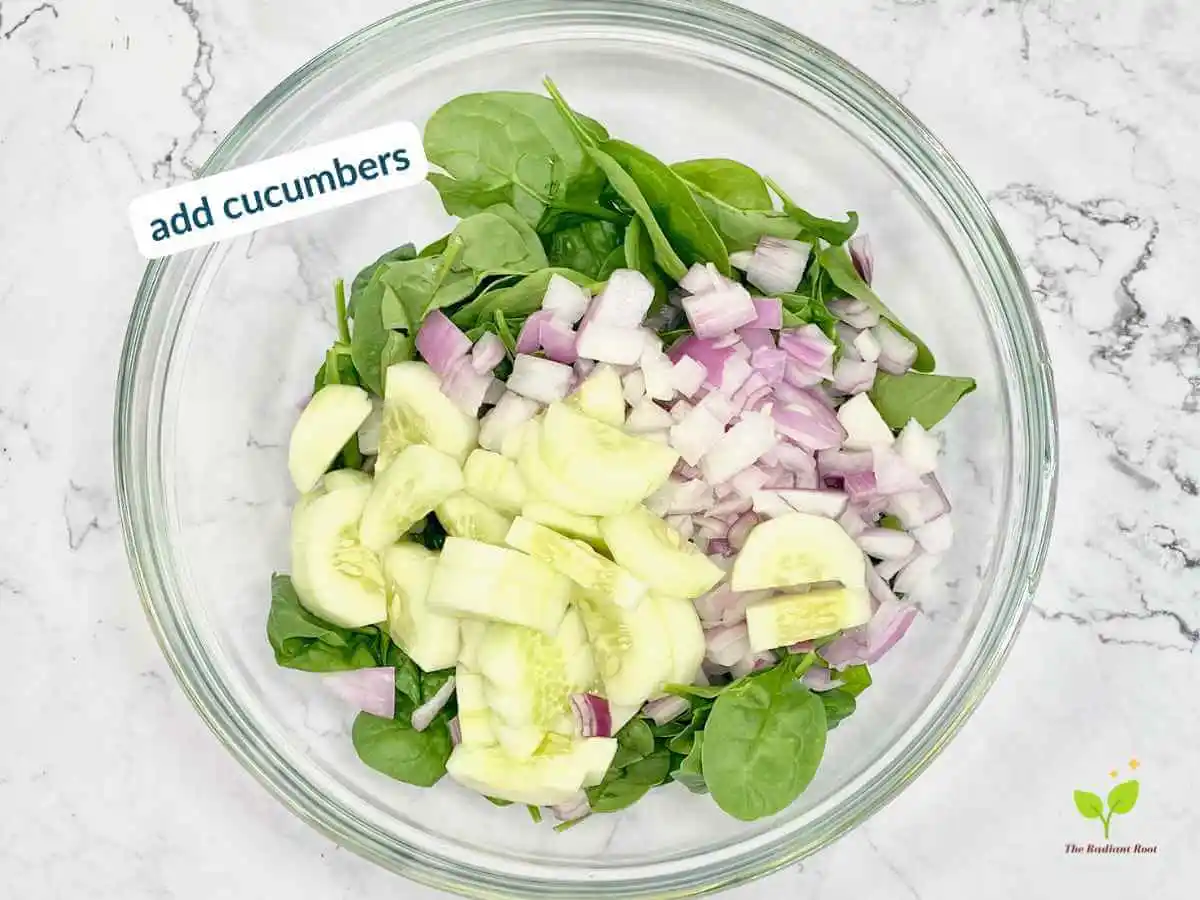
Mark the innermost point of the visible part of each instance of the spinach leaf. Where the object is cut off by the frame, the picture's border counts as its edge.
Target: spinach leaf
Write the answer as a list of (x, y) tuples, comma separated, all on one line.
[(496, 801), (829, 230), (690, 772), (639, 255), (304, 641), (510, 147), (704, 691), (584, 246), (370, 340), (622, 787), (913, 395), (634, 741), (432, 682), (395, 748), (437, 248), (741, 229), (498, 240), (614, 261), (762, 744), (855, 679), (433, 535), (837, 262), (838, 704), (505, 333), (683, 742), (363, 278), (727, 180), (802, 309), (518, 300), (887, 520)]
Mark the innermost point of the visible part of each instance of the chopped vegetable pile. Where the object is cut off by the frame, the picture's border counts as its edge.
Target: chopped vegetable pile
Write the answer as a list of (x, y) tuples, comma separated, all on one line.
[(620, 483)]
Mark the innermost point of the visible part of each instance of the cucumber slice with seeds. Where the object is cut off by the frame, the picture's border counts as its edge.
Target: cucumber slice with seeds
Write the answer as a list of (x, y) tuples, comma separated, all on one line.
[(429, 638), (780, 621), (600, 577), (657, 554), (418, 479), (415, 411), (465, 517), (329, 420), (494, 480)]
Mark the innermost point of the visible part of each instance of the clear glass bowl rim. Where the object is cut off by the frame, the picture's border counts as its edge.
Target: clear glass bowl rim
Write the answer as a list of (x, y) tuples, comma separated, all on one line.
[(137, 433)]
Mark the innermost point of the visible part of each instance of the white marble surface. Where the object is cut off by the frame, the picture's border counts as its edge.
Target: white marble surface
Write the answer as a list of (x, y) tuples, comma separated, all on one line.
[(1077, 118)]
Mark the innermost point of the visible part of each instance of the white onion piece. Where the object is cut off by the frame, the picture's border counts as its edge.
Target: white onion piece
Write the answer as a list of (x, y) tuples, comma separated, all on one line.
[(829, 504), (915, 575), (592, 715), (749, 481), (729, 508), (752, 662), (487, 353), (495, 391), (807, 422), (566, 300), (892, 474), (633, 387), (878, 588), (896, 352), (701, 278), (679, 410), (665, 709), (918, 447), (852, 522), (889, 568), (624, 301), (886, 543), (915, 508), (696, 435), (734, 374), (770, 363), (851, 376), (864, 426), (715, 313), (770, 505), (678, 497), (529, 339), (510, 413), (738, 448), (372, 690), (820, 679), (604, 342), (867, 346), (718, 407), (778, 265), (647, 416), (801, 463), (577, 807), (584, 367), (854, 313), (423, 714), (539, 379), (726, 644), (935, 536), (658, 373), (687, 375)]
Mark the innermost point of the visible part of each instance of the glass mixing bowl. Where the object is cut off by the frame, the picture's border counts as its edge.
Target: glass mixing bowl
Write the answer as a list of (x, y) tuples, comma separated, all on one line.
[(223, 342)]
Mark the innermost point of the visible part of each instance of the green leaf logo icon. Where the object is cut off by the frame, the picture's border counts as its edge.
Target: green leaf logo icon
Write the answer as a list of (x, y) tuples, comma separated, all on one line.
[(1122, 798), (1089, 805)]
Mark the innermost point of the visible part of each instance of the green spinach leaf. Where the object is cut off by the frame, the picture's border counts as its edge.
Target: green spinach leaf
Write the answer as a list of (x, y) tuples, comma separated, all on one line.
[(639, 255), (585, 246), (830, 230), (914, 395), (690, 772), (837, 262), (622, 787), (839, 704), (634, 741), (855, 679), (304, 641), (371, 340), (395, 748), (727, 180), (741, 229), (498, 240), (762, 744), (518, 300), (363, 278)]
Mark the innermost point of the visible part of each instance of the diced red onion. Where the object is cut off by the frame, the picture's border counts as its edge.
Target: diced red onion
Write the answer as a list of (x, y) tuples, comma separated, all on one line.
[(859, 485), (777, 265), (768, 313), (886, 543), (914, 575), (770, 363), (852, 521), (658, 373), (648, 416), (529, 340), (455, 732), (729, 508), (918, 447), (576, 808), (801, 376), (746, 482), (558, 340), (752, 662), (604, 342), (687, 374), (820, 679), (696, 435), (755, 390), (770, 505), (864, 427), (718, 407), (800, 463), (465, 387), (889, 623), (665, 709), (862, 256), (808, 345), (510, 413), (829, 504), (738, 448), (867, 346), (843, 462), (702, 278), (487, 353), (566, 300), (539, 379), (624, 301), (715, 313), (854, 313), (809, 423), (853, 376), (740, 530), (704, 352), (915, 508), (734, 374), (896, 352), (726, 644), (720, 546), (892, 474), (441, 343), (678, 497), (423, 714), (372, 690), (879, 589), (757, 338), (592, 715), (935, 536), (710, 526), (584, 367)]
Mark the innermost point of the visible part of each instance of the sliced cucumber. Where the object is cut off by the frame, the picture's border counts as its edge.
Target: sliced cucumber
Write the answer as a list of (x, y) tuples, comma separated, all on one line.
[(519, 741), (335, 576), (493, 479), (430, 638), (415, 411), (618, 470), (572, 643), (600, 577), (622, 714), (474, 716), (544, 484), (798, 549), (465, 517), (544, 779), (583, 528), (630, 648), (481, 581), (418, 479), (598, 754), (343, 478), (524, 676), (657, 554), (472, 631), (331, 418), (601, 396), (783, 620), (685, 636)]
